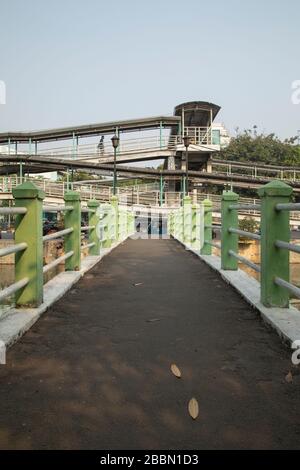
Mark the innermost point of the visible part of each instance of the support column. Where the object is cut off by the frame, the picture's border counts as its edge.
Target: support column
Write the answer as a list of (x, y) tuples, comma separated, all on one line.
[(187, 220), (29, 229), (73, 239), (274, 226), (94, 221), (105, 225), (209, 166), (195, 241), (115, 208), (206, 248), (230, 241)]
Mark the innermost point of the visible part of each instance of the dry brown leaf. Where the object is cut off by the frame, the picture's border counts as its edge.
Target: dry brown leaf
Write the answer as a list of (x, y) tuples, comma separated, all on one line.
[(176, 371), (289, 377), (193, 408)]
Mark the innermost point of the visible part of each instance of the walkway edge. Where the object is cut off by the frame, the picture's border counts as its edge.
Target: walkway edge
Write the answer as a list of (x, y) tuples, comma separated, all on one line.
[(17, 321), (285, 321)]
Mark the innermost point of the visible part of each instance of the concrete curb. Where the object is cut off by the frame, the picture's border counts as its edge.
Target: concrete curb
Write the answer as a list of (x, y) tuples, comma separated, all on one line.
[(285, 321), (17, 321)]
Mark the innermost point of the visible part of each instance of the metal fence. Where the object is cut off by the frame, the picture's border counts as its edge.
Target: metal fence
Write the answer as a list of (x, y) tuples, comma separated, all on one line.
[(275, 207), (107, 224)]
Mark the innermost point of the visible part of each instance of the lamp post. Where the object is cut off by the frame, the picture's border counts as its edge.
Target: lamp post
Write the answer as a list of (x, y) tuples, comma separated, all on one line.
[(186, 141), (115, 143)]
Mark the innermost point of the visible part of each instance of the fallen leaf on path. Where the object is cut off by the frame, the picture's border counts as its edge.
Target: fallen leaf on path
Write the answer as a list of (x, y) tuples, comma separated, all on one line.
[(289, 377), (138, 284), (176, 371), (193, 408)]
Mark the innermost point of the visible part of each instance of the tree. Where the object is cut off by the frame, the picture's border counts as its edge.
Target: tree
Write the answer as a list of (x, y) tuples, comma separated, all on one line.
[(248, 224), (251, 146), (78, 176)]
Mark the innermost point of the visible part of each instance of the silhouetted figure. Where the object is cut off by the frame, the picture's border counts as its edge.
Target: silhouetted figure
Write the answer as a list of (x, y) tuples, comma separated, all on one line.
[(101, 145)]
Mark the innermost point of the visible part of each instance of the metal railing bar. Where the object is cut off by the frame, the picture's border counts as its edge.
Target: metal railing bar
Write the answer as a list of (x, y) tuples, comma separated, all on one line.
[(287, 246), (13, 210), (213, 210), (86, 228), (86, 209), (57, 208), (57, 261), (8, 250), (58, 234), (245, 261), (8, 291), (250, 207), (288, 207), (88, 245), (287, 285), (213, 227), (215, 245), (243, 233)]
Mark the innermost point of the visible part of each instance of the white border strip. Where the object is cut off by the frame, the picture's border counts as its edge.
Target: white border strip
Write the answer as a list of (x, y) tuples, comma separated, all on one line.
[(285, 321)]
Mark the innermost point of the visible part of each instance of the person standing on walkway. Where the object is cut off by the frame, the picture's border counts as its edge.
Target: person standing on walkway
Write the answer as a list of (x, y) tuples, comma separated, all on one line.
[(101, 146)]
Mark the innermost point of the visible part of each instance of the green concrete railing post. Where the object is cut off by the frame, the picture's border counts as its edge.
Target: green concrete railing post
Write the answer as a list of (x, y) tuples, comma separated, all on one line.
[(187, 220), (171, 223), (181, 231), (73, 239), (207, 230), (130, 223), (105, 225), (93, 205), (114, 201), (122, 226), (29, 229), (195, 241), (275, 225), (230, 241), (178, 229), (181, 227), (132, 217)]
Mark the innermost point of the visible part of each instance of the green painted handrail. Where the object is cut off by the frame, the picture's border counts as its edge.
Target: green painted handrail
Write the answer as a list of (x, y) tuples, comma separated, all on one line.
[(275, 206), (107, 224)]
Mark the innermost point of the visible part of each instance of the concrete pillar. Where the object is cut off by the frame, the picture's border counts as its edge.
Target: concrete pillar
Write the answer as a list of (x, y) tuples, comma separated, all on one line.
[(195, 239), (73, 239), (187, 220), (29, 229), (274, 226), (230, 241), (207, 214), (94, 221), (209, 166), (114, 201)]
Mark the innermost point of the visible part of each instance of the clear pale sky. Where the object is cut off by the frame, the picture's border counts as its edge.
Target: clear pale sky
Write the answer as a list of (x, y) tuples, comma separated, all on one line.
[(70, 62)]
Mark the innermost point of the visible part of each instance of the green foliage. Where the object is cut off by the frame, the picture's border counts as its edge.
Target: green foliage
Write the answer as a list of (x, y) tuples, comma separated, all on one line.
[(77, 176), (134, 182), (248, 224), (251, 146)]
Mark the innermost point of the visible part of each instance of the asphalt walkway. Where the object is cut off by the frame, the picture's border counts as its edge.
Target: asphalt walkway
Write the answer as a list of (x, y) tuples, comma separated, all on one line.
[(94, 371)]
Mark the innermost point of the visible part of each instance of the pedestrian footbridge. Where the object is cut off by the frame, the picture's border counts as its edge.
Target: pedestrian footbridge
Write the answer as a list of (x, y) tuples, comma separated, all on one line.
[(115, 321)]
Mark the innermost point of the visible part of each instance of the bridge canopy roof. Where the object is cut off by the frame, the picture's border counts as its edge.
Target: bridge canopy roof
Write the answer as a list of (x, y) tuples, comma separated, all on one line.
[(197, 113), (91, 129)]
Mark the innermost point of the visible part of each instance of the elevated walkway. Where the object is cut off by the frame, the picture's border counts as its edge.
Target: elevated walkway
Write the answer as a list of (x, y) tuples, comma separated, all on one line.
[(94, 372)]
